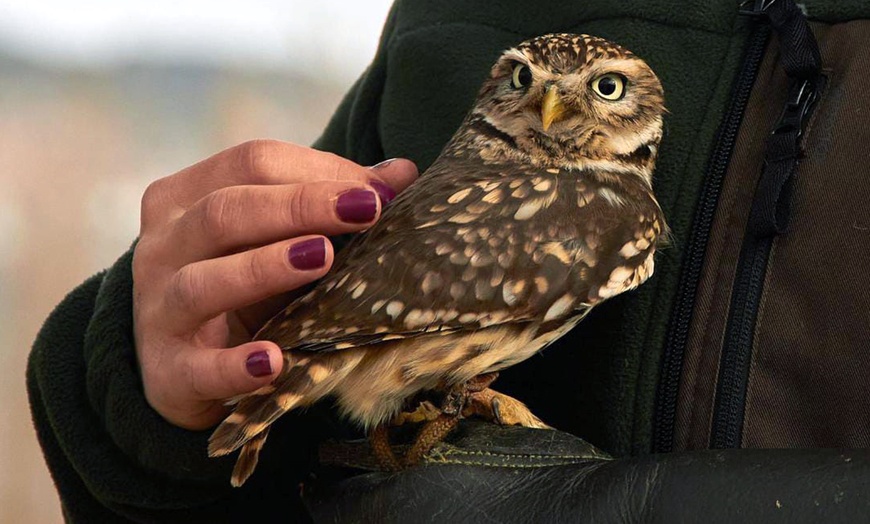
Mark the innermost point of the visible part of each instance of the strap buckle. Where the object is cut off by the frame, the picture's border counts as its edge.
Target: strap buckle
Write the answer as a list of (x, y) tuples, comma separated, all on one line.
[(757, 7), (801, 96)]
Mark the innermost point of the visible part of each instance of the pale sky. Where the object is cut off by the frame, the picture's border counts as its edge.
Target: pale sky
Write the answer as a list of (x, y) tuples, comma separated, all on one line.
[(339, 35)]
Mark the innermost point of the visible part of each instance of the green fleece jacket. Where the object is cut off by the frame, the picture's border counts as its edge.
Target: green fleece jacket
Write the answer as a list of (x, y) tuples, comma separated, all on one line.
[(115, 459)]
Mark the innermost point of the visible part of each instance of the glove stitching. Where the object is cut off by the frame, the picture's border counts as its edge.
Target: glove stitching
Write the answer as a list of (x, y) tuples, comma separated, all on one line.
[(520, 456), (514, 466)]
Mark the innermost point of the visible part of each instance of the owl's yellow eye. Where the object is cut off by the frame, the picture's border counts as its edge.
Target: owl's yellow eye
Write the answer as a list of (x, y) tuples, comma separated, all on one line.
[(610, 86), (522, 76)]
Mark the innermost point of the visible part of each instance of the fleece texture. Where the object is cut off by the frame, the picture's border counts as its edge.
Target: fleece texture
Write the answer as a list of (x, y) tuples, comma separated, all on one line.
[(114, 459)]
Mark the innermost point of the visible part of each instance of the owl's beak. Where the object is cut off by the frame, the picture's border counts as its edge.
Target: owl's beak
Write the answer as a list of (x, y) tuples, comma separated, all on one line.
[(552, 109)]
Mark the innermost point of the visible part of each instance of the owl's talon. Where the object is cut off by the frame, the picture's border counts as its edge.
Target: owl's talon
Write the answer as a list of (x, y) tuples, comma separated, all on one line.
[(496, 411), (454, 402), (502, 409)]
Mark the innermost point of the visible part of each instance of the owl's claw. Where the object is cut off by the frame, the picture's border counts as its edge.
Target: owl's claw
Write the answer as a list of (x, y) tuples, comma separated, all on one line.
[(496, 411), (502, 409)]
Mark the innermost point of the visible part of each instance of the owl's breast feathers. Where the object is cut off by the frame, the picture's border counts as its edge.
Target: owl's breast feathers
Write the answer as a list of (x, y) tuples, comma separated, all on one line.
[(473, 245)]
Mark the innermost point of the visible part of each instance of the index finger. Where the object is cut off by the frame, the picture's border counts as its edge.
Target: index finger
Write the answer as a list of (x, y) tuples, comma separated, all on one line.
[(260, 162)]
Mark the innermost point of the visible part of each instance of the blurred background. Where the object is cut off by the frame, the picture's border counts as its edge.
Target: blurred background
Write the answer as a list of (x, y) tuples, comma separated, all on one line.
[(97, 99)]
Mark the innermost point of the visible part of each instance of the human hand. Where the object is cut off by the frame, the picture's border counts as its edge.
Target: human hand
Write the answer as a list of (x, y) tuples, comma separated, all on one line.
[(221, 244)]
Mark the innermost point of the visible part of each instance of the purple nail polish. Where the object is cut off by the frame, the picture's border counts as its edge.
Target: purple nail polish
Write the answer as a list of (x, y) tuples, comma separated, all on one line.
[(308, 254), (258, 364), (385, 192), (384, 164), (357, 206)]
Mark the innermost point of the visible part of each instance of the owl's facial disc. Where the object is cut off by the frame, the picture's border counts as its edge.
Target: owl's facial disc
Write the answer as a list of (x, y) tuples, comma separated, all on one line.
[(573, 98)]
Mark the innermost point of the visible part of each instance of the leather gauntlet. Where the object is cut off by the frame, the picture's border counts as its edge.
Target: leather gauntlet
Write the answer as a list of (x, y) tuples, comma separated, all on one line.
[(487, 473)]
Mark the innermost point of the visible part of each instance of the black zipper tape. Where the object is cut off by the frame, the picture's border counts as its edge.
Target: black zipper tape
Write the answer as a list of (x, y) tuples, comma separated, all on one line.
[(727, 427), (678, 327)]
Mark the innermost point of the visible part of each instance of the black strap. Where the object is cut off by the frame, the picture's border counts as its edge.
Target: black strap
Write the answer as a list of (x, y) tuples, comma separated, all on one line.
[(801, 60), (799, 51)]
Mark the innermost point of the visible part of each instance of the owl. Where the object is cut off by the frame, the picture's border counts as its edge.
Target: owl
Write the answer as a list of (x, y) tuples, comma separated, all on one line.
[(539, 208)]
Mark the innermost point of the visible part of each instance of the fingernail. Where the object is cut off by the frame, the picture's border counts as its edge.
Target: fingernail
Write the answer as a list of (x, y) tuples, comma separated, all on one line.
[(308, 254), (384, 164), (258, 364), (385, 192), (357, 206)]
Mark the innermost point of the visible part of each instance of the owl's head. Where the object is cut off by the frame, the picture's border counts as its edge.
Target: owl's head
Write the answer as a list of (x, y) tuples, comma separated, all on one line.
[(574, 99)]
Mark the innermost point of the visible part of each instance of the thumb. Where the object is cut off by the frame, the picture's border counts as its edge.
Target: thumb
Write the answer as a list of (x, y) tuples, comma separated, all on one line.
[(218, 374)]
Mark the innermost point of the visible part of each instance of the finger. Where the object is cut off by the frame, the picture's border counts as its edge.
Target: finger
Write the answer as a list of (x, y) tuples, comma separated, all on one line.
[(243, 216), (223, 373), (203, 290), (398, 173), (260, 162)]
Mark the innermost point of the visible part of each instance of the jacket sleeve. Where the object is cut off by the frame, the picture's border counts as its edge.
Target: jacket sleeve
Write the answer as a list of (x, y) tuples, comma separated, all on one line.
[(112, 457), (487, 473)]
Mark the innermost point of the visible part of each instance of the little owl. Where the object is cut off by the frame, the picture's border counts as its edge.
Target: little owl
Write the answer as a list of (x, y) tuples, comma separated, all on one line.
[(539, 208)]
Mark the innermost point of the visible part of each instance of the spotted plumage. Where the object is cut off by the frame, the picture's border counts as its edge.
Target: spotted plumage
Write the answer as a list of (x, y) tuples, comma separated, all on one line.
[(539, 208)]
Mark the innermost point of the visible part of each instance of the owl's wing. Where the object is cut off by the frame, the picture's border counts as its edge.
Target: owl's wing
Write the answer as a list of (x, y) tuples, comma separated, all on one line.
[(466, 253)]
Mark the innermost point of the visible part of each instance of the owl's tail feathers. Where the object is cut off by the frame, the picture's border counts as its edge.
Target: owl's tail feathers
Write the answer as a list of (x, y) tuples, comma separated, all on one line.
[(247, 426), (248, 458)]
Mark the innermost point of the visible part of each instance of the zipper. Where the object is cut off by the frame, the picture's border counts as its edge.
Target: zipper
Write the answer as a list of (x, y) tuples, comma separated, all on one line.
[(767, 219), (678, 327), (729, 407)]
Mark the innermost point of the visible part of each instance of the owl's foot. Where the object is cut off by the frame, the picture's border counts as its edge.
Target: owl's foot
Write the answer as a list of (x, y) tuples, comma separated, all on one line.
[(379, 440), (431, 433), (452, 409), (473, 398), (465, 401), (425, 412), (502, 409)]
